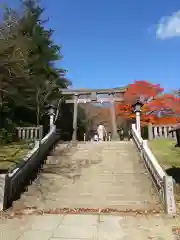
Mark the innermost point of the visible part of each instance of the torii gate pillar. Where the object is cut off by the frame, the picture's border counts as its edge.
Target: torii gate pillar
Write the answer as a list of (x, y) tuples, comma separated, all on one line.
[(113, 119), (74, 136)]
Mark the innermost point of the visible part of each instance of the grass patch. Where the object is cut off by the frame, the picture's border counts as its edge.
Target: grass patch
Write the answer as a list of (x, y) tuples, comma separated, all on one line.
[(165, 152), (167, 156), (12, 154)]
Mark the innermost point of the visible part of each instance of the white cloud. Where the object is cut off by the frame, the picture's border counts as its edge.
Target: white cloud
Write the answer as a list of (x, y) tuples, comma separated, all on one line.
[(169, 26)]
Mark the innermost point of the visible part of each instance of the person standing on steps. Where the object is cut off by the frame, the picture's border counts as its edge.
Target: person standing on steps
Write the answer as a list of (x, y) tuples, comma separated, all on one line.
[(102, 134), (121, 133)]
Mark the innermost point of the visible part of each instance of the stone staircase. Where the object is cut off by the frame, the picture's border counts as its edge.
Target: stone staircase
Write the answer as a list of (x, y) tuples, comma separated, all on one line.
[(92, 175)]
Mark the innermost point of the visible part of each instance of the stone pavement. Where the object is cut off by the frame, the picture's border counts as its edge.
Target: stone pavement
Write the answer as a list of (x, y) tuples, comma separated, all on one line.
[(93, 175), (94, 227)]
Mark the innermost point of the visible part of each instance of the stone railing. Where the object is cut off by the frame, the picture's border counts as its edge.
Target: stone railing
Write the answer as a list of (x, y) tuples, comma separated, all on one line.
[(162, 182), (30, 133), (14, 182), (160, 131)]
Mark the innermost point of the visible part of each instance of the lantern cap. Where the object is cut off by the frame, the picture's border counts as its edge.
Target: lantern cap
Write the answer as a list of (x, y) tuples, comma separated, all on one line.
[(138, 102), (137, 105), (48, 106), (51, 109)]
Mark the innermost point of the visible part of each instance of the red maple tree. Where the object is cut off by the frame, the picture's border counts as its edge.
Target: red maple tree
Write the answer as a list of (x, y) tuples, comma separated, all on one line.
[(158, 108), (142, 89)]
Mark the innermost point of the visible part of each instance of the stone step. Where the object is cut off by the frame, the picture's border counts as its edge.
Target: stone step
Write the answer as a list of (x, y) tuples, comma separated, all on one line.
[(92, 175), (119, 205)]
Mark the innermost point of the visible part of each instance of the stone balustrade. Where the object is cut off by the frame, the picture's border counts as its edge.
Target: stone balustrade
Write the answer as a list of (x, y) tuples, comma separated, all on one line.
[(160, 131), (30, 133), (14, 182), (162, 182)]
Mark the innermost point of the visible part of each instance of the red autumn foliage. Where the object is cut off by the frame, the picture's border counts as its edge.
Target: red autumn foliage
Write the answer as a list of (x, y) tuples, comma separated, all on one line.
[(158, 108), (142, 89)]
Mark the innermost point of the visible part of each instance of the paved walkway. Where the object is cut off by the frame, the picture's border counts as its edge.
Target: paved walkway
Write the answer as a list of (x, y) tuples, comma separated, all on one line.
[(94, 227), (93, 175)]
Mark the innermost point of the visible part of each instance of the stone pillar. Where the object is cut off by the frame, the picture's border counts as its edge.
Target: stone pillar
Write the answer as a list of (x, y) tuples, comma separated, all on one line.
[(150, 131), (113, 119), (170, 204), (74, 137), (51, 120), (51, 116), (138, 122)]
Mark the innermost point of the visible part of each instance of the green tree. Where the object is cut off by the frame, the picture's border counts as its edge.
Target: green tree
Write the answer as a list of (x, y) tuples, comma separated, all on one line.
[(44, 78), (13, 56)]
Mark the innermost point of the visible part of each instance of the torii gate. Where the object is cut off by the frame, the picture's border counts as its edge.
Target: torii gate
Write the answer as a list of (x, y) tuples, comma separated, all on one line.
[(90, 96)]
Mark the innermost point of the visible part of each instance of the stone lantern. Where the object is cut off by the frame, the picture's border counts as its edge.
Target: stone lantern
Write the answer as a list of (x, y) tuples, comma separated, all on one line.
[(137, 109), (51, 112)]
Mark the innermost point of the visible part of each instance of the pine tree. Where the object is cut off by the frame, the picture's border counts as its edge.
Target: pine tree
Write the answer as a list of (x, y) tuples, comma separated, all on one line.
[(44, 78), (13, 56)]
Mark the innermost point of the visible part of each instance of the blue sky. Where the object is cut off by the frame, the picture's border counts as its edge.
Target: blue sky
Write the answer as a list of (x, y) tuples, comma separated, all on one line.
[(110, 43)]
